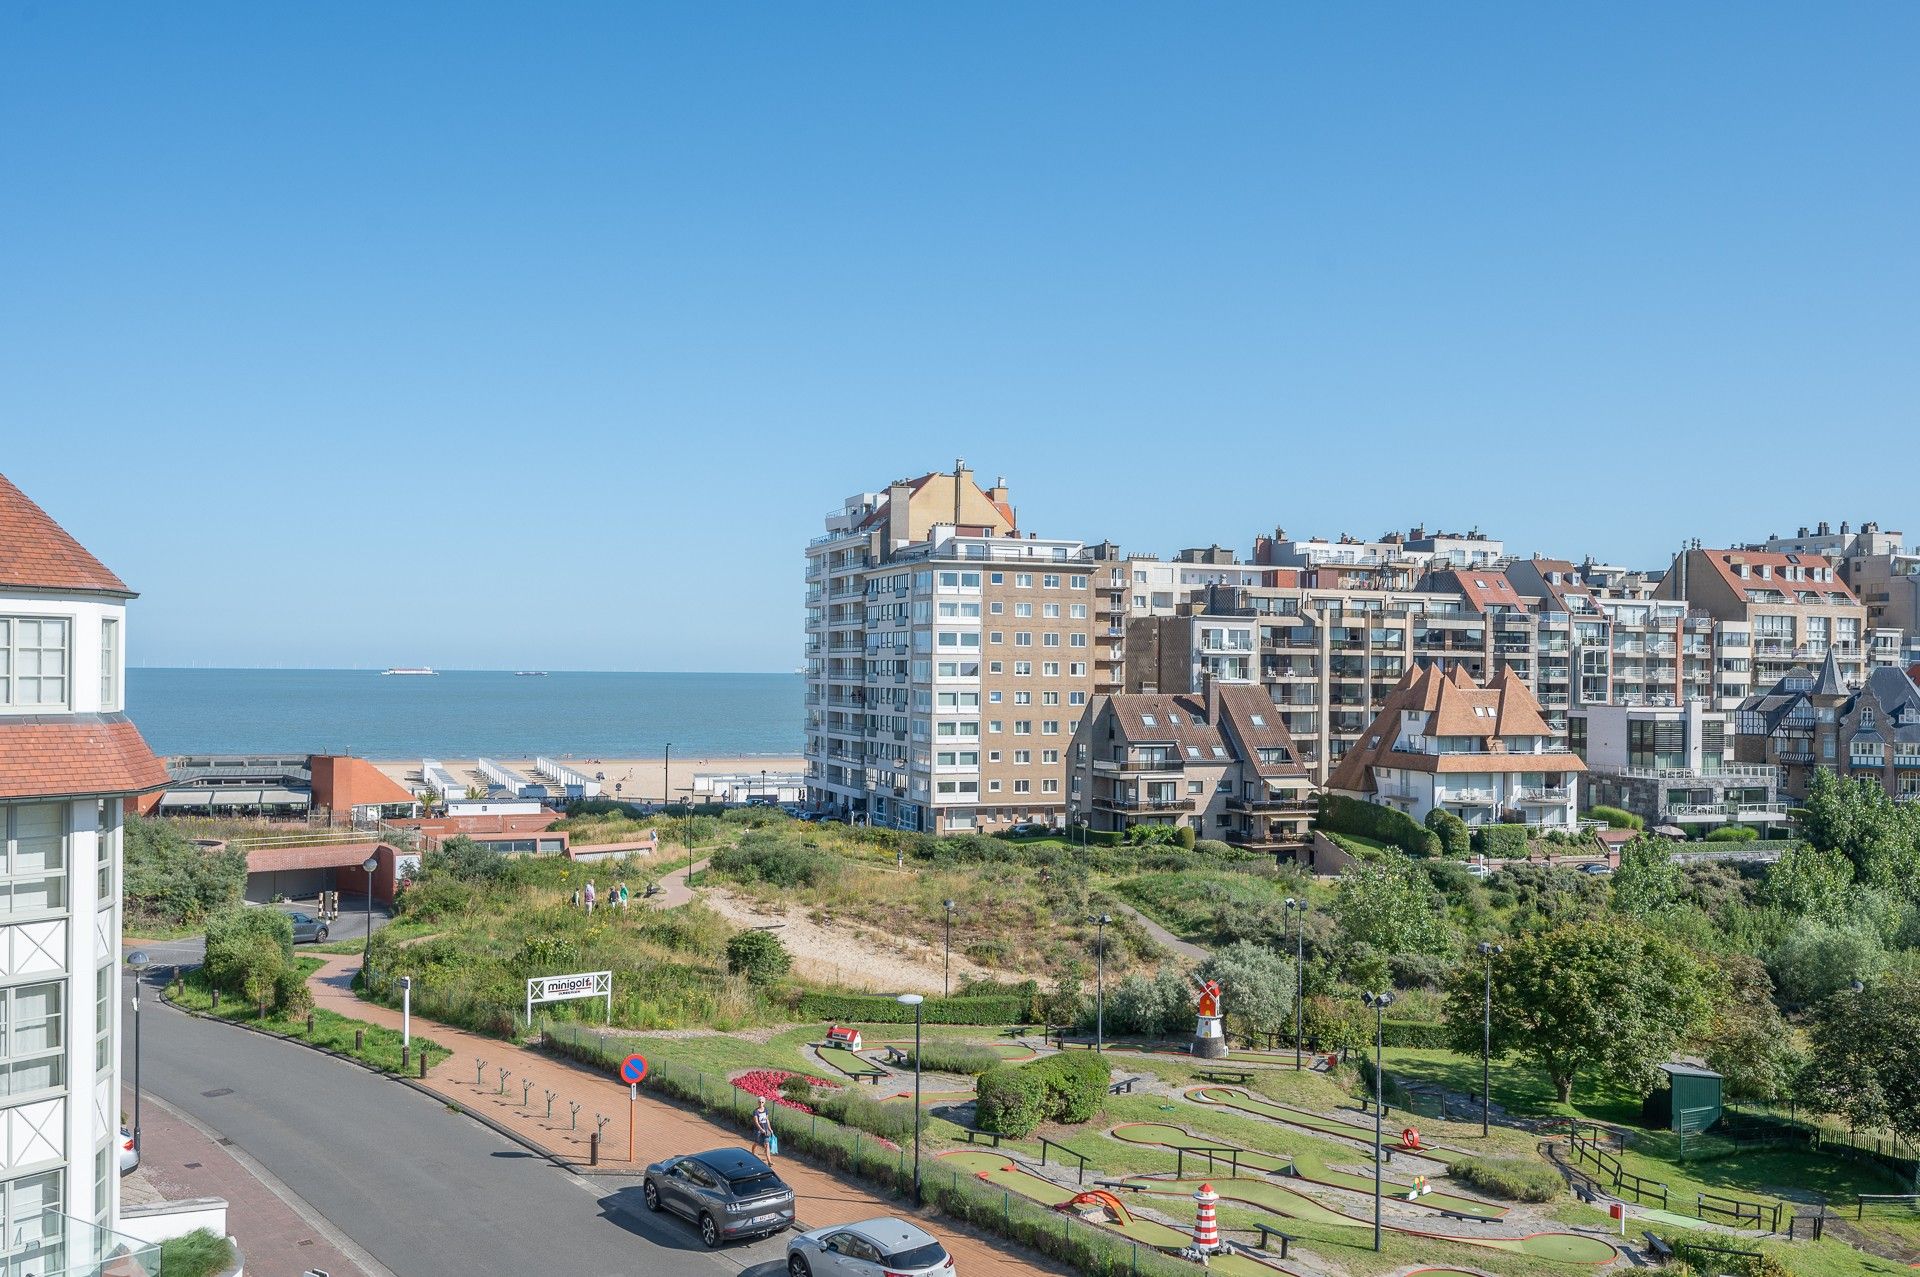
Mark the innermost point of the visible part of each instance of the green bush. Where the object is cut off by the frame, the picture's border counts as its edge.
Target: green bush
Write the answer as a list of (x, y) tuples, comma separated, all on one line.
[(954, 1057), (863, 1008), (1733, 833), (1455, 841), (776, 858), (759, 956), (201, 1253), (246, 944), (1015, 1098), (1516, 1179), (1343, 815), (1145, 1005), (854, 1107), (1186, 837), (1501, 842), (1616, 818), (1416, 1034), (171, 881), (462, 858), (1012, 1101), (1707, 1253)]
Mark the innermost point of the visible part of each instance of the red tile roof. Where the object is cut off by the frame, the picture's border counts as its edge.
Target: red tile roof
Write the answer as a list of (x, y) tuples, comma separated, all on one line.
[(342, 782), (37, 553), (1455, 706), (333, 856), (1723, 562), (73, 756), (1487, 589)]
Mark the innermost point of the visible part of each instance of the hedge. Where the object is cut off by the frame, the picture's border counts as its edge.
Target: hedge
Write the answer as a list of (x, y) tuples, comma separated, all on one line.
[(954, 1057), (1501, 842), (1342, 815), (1454, 838), (1015, 1098), (1733, 833), (1517, 1179), (859, 1008), (1616, 818), (1095, 1251), (1415, 1034)]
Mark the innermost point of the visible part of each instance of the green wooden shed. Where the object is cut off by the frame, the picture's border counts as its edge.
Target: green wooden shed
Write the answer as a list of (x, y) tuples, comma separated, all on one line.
[(1695, 1105)]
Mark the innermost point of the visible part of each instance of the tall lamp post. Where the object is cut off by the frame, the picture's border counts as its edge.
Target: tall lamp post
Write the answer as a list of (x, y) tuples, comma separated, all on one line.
[(1299, 907), (946, 980), (138, 961), (914, 1000), (1100, 981), (370, 864), (1488, 952), (1379, 1002)]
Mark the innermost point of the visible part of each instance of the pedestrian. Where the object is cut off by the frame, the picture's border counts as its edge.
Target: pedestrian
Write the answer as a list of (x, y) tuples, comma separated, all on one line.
[(574, 901), (623, 897), (763, 1137), (589, 897)]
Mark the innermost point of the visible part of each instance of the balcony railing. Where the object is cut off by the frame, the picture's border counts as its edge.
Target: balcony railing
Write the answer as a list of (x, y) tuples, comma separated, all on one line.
[(1467, 797), (1134, 765), (1726, 771), (1113, 803), (1300, 803), (1546, 794)]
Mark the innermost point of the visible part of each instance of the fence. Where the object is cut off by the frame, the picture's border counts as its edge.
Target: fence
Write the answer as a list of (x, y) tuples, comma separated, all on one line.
[(1739, 1213), (1876, 1200), (1754, 1128), (1587, 1148)]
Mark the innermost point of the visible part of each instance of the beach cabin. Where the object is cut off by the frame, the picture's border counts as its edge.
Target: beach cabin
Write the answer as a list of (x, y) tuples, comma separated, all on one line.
[(839, 1035), (1689, 1102)]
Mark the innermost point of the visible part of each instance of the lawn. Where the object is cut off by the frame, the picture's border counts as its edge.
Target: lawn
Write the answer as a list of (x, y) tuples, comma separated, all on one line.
[(379, 1047), (1212, 906)]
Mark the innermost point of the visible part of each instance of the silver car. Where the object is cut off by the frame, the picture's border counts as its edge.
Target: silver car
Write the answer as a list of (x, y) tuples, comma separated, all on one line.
[(871, 1248), (307, 928), (726, 1193)]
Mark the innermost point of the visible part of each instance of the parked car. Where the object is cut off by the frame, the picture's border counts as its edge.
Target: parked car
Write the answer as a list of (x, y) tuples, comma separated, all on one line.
[(129, 1154), (307, 928), (1479, 871), (866, 1249), (1596, 867), (727, 1193)]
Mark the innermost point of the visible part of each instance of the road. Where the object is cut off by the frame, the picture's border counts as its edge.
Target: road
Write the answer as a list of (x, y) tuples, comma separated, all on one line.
[(425, 1191), (190, 951)]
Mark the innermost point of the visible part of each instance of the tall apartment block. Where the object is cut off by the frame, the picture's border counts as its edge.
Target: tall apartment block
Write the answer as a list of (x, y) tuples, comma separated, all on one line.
[(949, 658), (69, 759)]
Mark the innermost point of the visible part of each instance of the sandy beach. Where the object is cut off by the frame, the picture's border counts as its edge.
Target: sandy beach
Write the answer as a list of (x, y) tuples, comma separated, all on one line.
[(640, 779)]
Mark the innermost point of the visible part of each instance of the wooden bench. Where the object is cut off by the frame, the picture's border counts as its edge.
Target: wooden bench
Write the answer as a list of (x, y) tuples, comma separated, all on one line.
[(873, 1076), (1268, 1232), (1226, 1075), (1658, 1249), (896, 1056), (1123, 1087), (974, 1137)]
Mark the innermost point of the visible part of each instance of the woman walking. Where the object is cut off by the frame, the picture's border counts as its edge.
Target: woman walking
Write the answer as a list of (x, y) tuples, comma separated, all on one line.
[(764, 1139)]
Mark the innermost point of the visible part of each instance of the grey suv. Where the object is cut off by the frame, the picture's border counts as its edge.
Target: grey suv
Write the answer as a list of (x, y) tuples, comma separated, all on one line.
[(307, 928), (727, 1193)]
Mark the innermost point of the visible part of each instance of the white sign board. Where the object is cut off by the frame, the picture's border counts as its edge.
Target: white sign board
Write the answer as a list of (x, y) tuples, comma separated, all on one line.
[(561, 988)]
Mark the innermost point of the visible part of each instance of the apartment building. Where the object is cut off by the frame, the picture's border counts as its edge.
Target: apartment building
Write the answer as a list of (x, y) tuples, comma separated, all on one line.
[(69, 760), (1808, 721), (1796, 606), (1218, 761), (949, 658), (1484, 753), (1673, 765)]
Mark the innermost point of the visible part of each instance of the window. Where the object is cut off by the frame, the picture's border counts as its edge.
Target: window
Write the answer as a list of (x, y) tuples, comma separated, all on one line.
[(1023, 580), (30, 1221), (1051, 581), (1050, 669), (103, 1019), (1078, 582), (1076, 640), (1023, 669), (998, 578), (1051, 610), (1049, 786), (993, 725), (33, 661), (994, 667), (1022, 786), (1023, 727), (1049, 698), (35, 867), (1050, 728), (1259, 720), (31, 1038), (1023, 638), (1021, 757), (996, 607), (1078, 611), (993, 697), (1050, 639), (995, 636), (993, 787), (109, 664), (1023, 698), (1076, 698), (1049, 756), (1077, 669), (1023, 609)]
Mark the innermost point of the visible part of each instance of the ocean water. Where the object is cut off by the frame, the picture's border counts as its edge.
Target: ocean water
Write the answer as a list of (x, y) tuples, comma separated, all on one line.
[(465, 713)]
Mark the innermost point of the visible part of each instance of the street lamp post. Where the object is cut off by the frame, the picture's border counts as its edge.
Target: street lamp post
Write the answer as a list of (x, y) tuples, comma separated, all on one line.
[(1299, 907), (1379, 1002), (1100, 981), (1489, 952), (138, 961), (946, 980), (370, 864), (914, 1000)]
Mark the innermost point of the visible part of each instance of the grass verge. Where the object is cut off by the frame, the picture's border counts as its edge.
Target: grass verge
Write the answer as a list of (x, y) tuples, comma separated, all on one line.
[(378, 1047)]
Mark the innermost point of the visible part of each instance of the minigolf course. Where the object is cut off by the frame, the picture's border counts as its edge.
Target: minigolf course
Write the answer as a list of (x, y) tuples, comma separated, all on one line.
[(1246, 1102), (1309, 1168)]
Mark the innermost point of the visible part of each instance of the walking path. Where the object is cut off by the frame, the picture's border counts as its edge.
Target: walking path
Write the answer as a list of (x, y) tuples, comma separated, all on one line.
[(1185, 948), (674, 891), (661, 1129)]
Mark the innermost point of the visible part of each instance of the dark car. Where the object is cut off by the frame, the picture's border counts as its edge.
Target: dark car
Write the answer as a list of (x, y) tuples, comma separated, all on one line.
[(306, 928), (727, 1193)]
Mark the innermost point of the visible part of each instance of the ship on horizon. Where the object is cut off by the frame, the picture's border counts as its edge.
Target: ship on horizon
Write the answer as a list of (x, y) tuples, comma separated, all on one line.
[(408, 669)]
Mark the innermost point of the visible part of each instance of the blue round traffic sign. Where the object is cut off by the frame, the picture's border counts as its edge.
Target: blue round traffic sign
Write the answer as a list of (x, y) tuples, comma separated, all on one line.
[(633, 1069)]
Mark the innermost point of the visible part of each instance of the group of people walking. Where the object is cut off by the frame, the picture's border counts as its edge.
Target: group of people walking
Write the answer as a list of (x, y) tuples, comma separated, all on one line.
[(588, 896)]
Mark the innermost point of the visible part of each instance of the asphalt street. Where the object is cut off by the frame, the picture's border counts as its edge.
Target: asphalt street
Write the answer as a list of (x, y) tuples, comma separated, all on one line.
[(426, 1191)]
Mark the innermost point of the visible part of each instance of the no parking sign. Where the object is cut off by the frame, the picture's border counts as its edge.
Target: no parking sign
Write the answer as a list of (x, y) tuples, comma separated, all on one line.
[(633, 1070)]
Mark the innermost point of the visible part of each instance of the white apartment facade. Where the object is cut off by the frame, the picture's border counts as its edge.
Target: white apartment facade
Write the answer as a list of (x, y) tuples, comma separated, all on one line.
[(69, 760)]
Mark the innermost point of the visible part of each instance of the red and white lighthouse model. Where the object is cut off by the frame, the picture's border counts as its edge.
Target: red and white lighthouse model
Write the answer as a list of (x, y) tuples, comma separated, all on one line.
[(1206, 1229)]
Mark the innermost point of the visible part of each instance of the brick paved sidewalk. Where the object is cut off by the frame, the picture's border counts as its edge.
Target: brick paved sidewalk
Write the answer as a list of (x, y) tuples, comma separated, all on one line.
[(180, 1160), (821, 1197)]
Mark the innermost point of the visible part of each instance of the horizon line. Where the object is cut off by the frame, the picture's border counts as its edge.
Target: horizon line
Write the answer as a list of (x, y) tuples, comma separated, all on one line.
[(369, 669)]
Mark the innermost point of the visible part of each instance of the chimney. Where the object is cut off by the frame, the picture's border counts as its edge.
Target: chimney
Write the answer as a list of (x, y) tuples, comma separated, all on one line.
[(1802, 532), (961, 477), (1825, 528), (1210, 688), (1843, 527)]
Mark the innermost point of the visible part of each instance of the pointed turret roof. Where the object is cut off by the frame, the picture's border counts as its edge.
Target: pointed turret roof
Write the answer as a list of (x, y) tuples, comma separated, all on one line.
[(38, 554), (1829, 684)]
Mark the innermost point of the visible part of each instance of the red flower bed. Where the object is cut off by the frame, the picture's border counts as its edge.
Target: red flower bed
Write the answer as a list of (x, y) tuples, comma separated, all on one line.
[(765, 1084)]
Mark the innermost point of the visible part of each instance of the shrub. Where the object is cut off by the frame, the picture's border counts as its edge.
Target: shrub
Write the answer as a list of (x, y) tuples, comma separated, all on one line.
[(174, 882), (1420, 1035), (777, 859), (759, 956), (248, 944), (1015, 1098), (1709, 1253), (1817, 959), (1012, 1101), (200, 1253), (1454, 838), (1616, 818), (856, 1108), (954, 1057), (1151, 1006), (1501, 842), (1517, 1179), (1213, 847), (797, 1089), (1340, 814), (462, 858), (291, 996), (1733, 833), (863, 1008), (1186, 837)]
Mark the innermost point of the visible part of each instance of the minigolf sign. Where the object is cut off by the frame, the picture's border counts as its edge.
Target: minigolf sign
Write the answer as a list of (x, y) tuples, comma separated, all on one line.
[(633, 1070)]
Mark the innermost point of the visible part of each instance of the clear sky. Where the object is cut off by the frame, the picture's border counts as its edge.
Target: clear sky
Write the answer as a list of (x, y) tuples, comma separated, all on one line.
[(544, 335)]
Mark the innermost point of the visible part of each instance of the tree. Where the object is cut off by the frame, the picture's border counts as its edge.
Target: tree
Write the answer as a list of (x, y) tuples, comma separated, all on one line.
[(1857, 818), (1809, 882), (1749, 1044), (463, 858), (1389, 904), (759, 956), (1149, 1005), (1455, 838), (1258, 984), (231, 950), (1864, 1064), (260, 968), (1821, 958), (1647, 881), (174, 882), (1587, 997)]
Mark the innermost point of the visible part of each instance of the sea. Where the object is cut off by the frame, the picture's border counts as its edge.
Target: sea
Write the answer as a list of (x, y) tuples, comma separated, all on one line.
[(465, 713)]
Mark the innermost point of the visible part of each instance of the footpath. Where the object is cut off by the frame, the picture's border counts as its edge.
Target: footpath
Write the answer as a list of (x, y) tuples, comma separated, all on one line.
[(470, 1078)]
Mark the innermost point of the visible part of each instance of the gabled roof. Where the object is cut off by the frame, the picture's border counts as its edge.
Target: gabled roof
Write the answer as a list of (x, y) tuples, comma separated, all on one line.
[(1723, 562), (877, 517), (38, 554), (1182, 721), (1897, 699), (1454, 705), (1483, 590)]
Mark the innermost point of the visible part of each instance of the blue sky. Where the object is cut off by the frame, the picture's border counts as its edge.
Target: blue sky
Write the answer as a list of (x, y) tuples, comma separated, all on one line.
[(501, 336)]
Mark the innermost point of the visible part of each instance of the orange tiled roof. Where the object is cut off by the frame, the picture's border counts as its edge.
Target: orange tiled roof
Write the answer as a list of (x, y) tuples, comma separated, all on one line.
[(72, 756), (335, 856), (1723, 562), (1456, 706), (37, 553)]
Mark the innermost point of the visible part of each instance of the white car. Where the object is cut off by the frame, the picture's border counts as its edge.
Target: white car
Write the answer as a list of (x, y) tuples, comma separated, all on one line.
[(129, 1155), (869, 1248), (1479, 871)]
